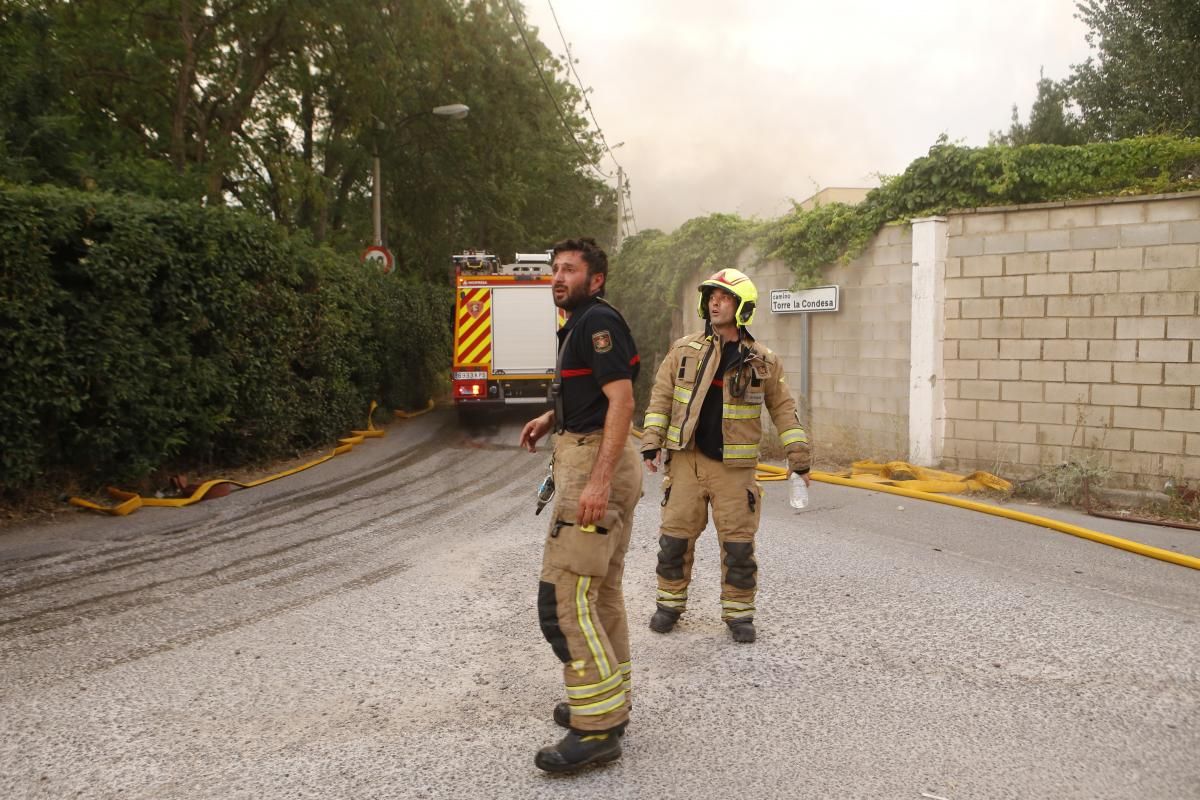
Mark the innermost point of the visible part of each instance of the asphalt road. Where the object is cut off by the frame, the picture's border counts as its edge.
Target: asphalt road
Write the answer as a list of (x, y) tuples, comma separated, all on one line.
[(367, 629)]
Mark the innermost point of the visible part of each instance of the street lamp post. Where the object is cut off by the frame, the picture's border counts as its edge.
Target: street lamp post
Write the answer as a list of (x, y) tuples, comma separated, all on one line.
[(452, 111), (376, 198)]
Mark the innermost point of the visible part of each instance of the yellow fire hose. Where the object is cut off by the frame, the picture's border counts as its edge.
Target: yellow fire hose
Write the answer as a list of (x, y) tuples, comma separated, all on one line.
[(410, 414), (893, 478), (920, 483), (128, 502), (1020, 516)]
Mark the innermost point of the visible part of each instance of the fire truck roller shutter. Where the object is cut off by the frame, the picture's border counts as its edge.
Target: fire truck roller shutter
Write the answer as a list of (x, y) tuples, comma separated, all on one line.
[(524, 319)]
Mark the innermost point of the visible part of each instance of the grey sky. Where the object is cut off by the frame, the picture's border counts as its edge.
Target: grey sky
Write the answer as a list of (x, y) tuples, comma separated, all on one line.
[(738, 106)]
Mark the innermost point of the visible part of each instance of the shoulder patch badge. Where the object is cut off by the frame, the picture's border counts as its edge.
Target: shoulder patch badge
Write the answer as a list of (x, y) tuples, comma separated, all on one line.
[(602, 341)]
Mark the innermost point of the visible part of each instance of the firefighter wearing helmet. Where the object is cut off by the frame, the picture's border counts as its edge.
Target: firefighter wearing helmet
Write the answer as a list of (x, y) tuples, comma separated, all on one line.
[(705, 413)]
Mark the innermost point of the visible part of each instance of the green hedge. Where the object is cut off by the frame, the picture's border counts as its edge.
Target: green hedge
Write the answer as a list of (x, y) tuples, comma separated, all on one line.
[(137, 334)]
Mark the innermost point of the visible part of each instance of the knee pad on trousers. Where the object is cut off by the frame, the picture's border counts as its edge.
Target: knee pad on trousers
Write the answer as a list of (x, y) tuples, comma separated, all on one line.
[(671, 551), (548, 619), (740, 564)]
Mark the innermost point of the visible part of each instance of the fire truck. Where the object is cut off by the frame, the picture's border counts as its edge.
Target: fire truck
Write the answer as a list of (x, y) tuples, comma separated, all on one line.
[(504, 331)]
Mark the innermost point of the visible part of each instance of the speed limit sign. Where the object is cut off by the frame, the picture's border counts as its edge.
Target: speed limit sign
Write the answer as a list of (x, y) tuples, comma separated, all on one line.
[(379, 257)]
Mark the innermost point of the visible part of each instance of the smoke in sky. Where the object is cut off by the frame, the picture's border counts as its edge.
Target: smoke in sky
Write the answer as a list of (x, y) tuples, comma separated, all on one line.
[(737, 107)]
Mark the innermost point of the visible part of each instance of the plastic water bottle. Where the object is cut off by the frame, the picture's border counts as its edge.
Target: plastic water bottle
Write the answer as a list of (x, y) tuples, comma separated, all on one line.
[(799, 495)]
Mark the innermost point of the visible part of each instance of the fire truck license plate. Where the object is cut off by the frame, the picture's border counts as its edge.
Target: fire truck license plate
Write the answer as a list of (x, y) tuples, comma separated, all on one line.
[(470, 376)]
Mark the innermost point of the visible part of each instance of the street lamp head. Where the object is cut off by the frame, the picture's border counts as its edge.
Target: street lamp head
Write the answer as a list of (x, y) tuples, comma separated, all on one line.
[(453, 111)]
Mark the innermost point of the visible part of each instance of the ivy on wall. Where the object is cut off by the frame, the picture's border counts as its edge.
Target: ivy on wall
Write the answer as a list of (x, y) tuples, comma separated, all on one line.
[(651, 266), (956, 177)]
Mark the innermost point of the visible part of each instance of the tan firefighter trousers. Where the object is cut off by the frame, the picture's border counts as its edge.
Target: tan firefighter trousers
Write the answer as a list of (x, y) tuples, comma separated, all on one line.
[(580, 603), (693, 482)]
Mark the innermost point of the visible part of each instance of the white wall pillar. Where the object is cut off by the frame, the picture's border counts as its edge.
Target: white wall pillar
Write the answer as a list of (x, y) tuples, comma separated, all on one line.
[(926, 395)]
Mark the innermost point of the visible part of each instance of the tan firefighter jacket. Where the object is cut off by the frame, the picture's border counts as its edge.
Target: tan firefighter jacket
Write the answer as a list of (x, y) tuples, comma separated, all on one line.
[(682, 382)]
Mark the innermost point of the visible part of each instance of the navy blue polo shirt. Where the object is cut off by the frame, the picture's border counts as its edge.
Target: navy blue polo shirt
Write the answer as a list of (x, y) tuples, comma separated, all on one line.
[(601, 350)]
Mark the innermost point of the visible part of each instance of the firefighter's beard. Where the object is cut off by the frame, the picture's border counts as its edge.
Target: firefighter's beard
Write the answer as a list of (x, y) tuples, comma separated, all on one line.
[(570, 297)]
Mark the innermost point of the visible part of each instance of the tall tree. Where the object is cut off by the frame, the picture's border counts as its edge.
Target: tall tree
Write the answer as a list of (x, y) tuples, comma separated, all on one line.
[(1050, 119), (279, 106), (39, 119), (1145, 76)]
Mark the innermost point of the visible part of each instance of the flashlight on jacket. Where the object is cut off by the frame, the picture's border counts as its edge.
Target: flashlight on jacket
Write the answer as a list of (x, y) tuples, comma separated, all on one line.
[(545, 493)]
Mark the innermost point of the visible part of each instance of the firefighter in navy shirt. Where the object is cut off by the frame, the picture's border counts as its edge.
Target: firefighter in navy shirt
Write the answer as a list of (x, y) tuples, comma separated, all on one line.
[(598, 480)]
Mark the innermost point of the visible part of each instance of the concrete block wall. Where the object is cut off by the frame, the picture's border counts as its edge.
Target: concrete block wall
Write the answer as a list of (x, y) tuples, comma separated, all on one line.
[(1073, 330), (860, 354)]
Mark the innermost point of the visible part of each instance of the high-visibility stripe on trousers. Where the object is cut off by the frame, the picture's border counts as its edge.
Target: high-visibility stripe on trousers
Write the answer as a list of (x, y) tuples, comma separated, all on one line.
[(692, 484), (580, 602)]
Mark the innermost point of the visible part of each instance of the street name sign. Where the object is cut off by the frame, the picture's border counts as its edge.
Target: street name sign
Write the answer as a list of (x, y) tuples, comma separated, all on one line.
[(820, 298)]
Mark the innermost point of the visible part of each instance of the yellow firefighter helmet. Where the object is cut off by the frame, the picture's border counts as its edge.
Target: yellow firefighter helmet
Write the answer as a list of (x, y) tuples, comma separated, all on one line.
[(737, 284)]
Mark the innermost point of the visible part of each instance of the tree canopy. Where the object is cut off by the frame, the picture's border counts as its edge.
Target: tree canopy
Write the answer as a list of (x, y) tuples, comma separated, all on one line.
[(278, 105), (1143, 79), (1050, 119)]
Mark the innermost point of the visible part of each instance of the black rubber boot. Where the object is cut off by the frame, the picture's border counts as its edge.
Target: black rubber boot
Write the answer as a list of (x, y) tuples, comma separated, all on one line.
[(562, 716), (742, 630), (663, 620), (578, 749)]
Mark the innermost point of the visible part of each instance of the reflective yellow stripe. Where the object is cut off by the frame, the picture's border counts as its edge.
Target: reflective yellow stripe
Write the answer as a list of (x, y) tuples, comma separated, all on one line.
[(735, 609), (733, 411), (584, 614), (657, 420), (736, 605), (740, 451), (602, 707), (793, 436), (695, 345), (682, 394), (673, 434), (672, 599), (626, 667), (592, 689)]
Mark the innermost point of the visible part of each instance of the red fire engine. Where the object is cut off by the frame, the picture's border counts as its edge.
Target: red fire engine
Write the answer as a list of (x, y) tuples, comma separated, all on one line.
[(504, 331)]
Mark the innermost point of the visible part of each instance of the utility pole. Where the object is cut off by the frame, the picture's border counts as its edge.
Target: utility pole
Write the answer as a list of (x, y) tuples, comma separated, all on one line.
[(620, 208), (376, 198)]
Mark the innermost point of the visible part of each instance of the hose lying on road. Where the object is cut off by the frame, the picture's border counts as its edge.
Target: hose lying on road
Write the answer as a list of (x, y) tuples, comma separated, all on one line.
[(410, 414), (924, 479), (1062, 527), (128, 502), (921, 483)]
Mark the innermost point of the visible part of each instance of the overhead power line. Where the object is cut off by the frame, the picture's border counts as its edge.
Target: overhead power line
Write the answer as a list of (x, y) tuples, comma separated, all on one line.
[(622, 186), (546, 85), (579, 80)]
